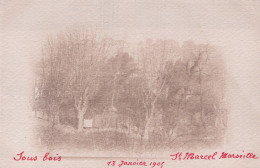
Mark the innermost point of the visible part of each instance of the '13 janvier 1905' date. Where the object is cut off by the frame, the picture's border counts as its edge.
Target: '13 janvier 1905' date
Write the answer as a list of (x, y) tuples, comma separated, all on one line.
[(136, 163)]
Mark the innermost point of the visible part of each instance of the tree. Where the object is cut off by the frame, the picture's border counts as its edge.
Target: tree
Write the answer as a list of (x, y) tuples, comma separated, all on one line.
[(154, 57), (71, 70), (118, 85)]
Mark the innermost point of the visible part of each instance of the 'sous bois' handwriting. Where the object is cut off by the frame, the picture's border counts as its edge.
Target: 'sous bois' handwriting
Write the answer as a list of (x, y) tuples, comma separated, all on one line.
[(47, 157)]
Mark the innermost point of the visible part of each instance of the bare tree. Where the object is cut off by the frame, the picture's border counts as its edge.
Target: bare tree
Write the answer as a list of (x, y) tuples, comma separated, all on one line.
[(154, 57), (73, 60), (87, 56)]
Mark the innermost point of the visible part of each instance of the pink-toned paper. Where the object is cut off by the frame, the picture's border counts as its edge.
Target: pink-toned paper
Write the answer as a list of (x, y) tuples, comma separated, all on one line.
[(130, 84)]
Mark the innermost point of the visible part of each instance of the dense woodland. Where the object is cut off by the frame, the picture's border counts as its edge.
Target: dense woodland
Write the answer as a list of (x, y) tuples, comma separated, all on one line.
[(156, 88)]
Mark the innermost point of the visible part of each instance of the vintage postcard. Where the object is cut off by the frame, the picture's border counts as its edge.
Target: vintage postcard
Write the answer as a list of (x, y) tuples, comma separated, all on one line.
[(130, 84)]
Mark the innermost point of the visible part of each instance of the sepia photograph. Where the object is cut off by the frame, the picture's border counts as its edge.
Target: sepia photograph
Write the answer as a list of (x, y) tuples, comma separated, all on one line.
[(155, 84), (94, 93)]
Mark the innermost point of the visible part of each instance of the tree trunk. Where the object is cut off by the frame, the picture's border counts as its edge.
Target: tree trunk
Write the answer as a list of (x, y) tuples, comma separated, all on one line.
[(80, 120), (147, 128), (148, 124), (201, 102)]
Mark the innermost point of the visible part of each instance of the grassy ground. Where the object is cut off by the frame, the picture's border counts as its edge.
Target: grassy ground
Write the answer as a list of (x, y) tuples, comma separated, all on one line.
[(68, 140)]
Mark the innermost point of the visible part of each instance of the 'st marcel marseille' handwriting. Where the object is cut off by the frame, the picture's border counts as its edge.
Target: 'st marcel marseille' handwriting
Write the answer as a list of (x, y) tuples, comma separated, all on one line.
[(224, 155)]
